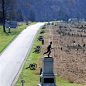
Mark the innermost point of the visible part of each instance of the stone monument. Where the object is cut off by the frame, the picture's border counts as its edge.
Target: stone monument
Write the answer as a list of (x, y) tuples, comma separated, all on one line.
[(47, 77)]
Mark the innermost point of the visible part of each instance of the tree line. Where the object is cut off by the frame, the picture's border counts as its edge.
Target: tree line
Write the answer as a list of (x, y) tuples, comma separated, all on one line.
[(40, 10)]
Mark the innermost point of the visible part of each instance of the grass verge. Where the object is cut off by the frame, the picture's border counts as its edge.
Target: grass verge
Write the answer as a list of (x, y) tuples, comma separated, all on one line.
[(30, 77)]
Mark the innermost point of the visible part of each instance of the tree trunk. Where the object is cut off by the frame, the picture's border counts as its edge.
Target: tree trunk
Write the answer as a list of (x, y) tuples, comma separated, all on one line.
[(4, 24), (3, 16)]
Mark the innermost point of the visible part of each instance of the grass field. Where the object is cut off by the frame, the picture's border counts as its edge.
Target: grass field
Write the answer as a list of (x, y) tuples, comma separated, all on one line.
[(6, 38), (31, 77)]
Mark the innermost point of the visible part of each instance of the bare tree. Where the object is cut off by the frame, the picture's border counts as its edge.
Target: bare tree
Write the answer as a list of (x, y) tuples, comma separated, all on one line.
[(5, 7)]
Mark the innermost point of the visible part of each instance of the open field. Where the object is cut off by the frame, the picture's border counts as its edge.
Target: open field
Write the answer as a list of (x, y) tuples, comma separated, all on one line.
[(69, 51), (32, 77)]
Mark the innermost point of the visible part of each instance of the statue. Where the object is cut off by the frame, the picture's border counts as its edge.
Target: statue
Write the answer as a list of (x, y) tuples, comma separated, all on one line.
[(49, 49)]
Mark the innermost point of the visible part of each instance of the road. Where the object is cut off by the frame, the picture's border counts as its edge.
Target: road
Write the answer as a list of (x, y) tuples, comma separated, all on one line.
[(14, 56)]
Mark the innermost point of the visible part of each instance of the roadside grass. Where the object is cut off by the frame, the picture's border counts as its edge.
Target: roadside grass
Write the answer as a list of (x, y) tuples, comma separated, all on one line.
[(30, 77), (6, 38)]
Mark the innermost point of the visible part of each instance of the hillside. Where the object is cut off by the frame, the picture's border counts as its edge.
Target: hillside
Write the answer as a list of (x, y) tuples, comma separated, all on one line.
[(46, 10)]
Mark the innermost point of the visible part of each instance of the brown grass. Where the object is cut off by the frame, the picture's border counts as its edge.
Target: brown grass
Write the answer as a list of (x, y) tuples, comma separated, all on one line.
[(69, 63)]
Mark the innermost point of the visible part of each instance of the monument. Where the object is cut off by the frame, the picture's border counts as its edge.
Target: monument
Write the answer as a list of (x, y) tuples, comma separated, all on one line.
[(48, 49), (47, 77)]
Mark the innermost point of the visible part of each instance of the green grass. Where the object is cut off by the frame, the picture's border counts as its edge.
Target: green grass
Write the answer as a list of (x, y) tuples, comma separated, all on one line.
[(6, 38), (32, 79)]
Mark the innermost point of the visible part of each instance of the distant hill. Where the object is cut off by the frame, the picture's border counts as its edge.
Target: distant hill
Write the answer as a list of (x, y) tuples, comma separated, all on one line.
[(47, 10)]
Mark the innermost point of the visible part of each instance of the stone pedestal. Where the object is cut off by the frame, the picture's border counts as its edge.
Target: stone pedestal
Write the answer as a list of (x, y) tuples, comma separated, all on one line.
[(47, 77)]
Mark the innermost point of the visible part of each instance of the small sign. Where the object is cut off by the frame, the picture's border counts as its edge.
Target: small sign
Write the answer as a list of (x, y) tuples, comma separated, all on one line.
[(11, 24)]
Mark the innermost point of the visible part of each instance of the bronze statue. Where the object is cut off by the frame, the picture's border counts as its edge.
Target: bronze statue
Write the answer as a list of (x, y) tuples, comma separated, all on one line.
[(49, 49)]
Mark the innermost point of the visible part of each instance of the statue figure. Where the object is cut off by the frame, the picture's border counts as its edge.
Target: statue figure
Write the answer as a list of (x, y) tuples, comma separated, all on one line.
[(49, 49)]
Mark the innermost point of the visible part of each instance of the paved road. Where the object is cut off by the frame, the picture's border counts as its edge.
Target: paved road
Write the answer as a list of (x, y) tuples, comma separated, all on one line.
[(13, 57)]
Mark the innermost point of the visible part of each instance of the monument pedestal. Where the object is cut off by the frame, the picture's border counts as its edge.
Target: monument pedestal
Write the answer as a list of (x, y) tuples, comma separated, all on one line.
[(47, 77)]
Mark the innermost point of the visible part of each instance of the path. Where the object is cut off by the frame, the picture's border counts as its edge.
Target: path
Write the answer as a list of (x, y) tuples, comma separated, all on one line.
[(13, 57)]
